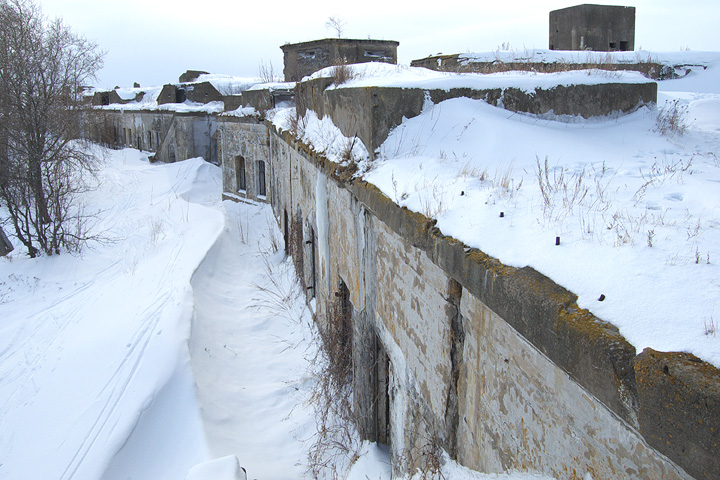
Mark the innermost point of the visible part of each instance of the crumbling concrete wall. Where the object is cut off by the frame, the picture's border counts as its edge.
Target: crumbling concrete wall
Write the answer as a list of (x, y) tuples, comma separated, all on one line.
[(243, 138), (370, 113), (496, 364), (458, 63)]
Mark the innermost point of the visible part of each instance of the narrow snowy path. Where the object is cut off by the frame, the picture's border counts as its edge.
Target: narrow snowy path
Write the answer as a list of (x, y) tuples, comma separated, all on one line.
[(248, 362)]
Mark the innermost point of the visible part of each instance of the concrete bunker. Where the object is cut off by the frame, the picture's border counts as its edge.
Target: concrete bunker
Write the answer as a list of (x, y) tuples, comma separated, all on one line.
[(305, 58), (602, 28)]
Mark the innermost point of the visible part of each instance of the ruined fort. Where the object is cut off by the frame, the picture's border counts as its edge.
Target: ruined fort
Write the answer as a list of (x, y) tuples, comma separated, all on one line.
[(497, 363)]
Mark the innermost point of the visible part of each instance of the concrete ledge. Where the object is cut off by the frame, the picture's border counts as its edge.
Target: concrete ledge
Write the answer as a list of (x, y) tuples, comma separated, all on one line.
[(453, 63), (680, 409), (543, 312)]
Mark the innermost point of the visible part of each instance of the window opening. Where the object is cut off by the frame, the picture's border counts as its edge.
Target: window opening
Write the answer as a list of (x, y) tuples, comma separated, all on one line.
[(240, 173), (381, 400), (261, 178), (180, 95), (313, 273)]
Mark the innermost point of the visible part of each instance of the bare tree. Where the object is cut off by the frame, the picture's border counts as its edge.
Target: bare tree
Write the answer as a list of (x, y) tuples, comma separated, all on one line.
[(336, 23), (266, 72), (43, 65)]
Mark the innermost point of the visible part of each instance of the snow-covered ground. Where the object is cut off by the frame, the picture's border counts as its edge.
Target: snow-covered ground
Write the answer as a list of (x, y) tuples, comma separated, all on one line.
[(637, 211), (174, 349)]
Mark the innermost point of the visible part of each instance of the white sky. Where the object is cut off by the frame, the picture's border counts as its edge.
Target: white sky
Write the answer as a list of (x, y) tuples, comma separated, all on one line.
[(152, 42)]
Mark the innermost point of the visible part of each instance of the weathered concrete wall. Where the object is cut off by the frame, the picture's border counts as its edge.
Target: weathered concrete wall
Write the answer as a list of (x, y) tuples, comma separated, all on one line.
[(593, 27), (680, 409), (247, 139), (302, 59), (371, 113), (171, 136), (456, 63), (498, 363), (520, 411)]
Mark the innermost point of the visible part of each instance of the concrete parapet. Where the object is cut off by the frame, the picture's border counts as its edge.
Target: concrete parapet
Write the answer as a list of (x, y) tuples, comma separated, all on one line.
[(370, 113), (679, 412), (669, 401), (457, 63)]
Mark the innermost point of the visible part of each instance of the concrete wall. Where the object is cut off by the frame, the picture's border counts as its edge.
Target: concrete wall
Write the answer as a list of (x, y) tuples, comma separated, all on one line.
[(302, 59), (497, 363), (455, 63), (171, 136), (601, 28), (203, 92), (370, 113), (247, 138)]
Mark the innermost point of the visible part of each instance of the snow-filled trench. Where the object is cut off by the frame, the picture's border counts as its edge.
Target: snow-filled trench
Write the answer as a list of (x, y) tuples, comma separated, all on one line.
[(248, 344)]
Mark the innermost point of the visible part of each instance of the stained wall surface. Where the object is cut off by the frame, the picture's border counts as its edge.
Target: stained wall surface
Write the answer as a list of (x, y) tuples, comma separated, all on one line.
[(460, 374)]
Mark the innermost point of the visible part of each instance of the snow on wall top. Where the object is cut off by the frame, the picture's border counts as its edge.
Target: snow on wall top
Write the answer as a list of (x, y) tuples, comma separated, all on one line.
[(568, 56), (386, 75)]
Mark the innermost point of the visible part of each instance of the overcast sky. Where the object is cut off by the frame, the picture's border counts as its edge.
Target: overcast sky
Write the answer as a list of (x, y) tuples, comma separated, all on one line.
[(152, 42)]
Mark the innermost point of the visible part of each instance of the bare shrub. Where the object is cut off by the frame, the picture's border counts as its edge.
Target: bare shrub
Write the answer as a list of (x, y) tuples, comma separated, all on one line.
[(342, 73), (297, 249), (672, 119), (711, 326), (335, 444), (429, 459), (337, 24), (297, 124), (266, 73)]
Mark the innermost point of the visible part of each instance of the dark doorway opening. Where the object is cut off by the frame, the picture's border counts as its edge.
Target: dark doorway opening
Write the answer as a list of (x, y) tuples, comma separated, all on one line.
[(261, 178), (381, 394), (240, 173)]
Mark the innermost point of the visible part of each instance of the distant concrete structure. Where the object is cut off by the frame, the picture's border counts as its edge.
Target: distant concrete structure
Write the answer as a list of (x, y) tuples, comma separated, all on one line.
[(302, 59), (110, 97), (601, 28), (203, 92), (191, 76)]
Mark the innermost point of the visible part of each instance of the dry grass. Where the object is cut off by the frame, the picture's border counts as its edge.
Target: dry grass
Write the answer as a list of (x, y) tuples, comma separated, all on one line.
[(335, 444), (342, 73), (429, 460), (672, 119)]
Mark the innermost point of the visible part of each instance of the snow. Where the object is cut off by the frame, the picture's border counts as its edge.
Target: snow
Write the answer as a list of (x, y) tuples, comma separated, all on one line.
[(162, 352), (568, 56), (174, 349), (242, 112), (401, 76), (637, 212), (225, 468), (92, 352), (273, 86), (226, 84)]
